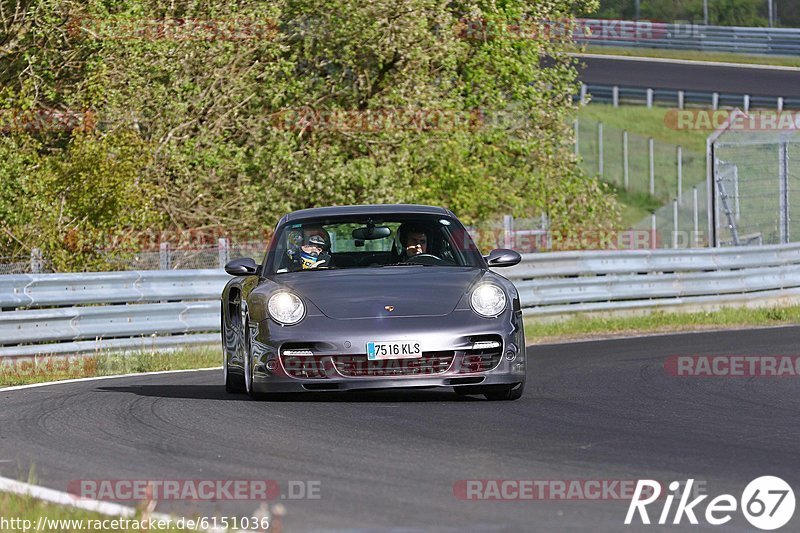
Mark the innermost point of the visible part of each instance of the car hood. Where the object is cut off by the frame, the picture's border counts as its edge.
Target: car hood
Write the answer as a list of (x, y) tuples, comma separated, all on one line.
[(369, 292)]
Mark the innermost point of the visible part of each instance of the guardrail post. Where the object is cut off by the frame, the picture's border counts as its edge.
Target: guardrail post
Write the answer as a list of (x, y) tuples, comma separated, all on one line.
[(600, 148), (625, 158), (164, 259), (36, 261), (652, 167), (780, 103), (615, 95), (746, 103), (649, 98), (680, 175), (715, 101), (224, 252), (680, 99), (583, 93)]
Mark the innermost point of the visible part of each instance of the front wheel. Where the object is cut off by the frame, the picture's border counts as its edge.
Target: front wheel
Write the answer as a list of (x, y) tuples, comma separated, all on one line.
[(234, 383), (493, 392)]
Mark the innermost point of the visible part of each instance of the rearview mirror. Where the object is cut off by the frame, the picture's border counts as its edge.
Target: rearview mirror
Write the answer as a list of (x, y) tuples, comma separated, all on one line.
[(370, 233), (503, 257), (244, 266)]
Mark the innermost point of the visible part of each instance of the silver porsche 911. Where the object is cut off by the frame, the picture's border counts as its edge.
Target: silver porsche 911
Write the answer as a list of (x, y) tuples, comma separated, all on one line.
[(373, 297)]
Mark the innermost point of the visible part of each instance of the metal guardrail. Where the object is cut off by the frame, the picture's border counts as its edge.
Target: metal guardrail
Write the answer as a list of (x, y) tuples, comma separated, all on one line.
[(689, 36), (616, 95), (53, 313)]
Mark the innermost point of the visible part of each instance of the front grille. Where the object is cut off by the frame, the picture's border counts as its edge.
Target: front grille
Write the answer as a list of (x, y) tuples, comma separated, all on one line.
[(483, 359), (303, 366), (430, 363)]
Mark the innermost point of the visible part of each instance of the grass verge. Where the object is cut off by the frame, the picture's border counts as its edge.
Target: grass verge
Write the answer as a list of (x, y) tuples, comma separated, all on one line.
[(23, 371), (696, 55), (585, 327), (22, 513)]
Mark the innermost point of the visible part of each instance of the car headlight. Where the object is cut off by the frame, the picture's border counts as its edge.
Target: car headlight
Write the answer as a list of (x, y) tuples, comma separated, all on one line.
[(488, 300), (286, 308)]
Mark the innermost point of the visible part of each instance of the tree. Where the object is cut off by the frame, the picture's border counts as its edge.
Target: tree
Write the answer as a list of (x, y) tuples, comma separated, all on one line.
[(238, 112)]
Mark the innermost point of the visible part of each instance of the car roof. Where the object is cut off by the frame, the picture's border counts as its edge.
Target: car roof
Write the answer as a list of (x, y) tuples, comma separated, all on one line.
[(372, 209)]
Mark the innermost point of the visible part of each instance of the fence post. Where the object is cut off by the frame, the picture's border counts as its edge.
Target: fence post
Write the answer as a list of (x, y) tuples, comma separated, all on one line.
[(164, 258), (546, 227), (649, 98), (576, 127), (653, 231), (715, 101), (224, 252), (652, 167), (625, 158), (695, 218), (508, 231), (36, 261), (600, 148), (583, 93), (680, 175), (615, 95), (675, 223), (680, 99), (783, 185)]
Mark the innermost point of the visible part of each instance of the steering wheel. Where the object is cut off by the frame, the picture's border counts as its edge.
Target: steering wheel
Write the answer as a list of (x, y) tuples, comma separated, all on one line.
[(425, 259)]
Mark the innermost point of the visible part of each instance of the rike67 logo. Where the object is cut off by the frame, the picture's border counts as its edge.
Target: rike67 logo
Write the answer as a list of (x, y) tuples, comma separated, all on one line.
[(767, 503)]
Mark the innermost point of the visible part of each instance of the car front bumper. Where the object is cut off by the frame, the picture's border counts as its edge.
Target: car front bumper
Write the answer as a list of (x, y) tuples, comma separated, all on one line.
[(451, 348)]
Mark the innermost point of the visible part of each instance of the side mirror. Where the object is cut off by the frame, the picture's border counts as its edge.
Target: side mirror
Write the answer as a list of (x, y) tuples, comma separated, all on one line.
[(244, 266), (503, 258)]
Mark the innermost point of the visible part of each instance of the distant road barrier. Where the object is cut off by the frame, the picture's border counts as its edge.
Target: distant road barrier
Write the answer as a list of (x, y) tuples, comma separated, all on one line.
[(689, 36), (79, 313)]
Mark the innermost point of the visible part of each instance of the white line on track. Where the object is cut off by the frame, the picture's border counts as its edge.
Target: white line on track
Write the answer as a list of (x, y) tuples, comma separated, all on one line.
[(99, 378), (687, 62)]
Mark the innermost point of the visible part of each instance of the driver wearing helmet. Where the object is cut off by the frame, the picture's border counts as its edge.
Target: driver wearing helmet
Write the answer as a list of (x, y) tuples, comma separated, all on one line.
[(314, 250)]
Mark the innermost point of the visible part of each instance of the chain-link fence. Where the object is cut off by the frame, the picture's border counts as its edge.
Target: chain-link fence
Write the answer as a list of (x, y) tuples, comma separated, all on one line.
[(164, 258), (637, 164), (756, 182)]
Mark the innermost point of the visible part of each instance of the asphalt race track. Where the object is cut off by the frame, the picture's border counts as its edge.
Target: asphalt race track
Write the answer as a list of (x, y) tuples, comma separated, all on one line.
[(706, 78), (603, 410)]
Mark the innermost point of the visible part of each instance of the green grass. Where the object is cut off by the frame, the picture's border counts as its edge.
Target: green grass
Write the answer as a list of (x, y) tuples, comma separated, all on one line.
[(580, 326), (42, 369), (24, 508), (750, 59)]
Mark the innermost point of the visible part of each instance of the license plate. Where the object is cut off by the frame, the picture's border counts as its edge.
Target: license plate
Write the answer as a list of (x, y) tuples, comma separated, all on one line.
[(393, 350)]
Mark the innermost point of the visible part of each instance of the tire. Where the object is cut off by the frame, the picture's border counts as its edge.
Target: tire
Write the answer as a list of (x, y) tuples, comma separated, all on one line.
[(493, 392), (248, 365), (514, 392), (234, 384)]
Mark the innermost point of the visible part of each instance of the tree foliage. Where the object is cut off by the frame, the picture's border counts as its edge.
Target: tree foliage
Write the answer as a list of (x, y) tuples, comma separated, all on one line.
[(438, 102)]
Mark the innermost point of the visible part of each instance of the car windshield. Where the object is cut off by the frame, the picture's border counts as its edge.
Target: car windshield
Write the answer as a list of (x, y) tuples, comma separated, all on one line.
[(372, 242)]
